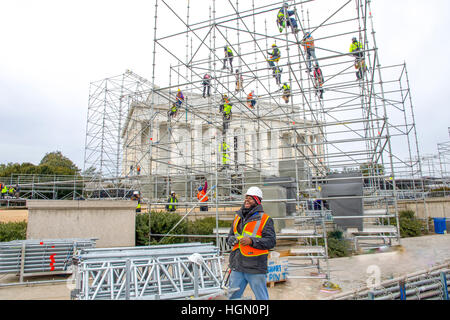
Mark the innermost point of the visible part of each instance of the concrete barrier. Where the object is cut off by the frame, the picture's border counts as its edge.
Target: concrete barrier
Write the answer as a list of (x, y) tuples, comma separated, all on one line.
[(112, 222)]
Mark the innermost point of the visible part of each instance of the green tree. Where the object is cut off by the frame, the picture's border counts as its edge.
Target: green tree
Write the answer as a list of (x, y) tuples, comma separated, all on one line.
[(57, 163)]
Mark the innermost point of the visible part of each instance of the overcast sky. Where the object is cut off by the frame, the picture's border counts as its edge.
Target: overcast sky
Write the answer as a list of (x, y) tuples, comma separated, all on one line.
[(52, 49)]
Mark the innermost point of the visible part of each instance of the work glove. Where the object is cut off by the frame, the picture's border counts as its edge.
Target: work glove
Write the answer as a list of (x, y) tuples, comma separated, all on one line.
[(232, 241)]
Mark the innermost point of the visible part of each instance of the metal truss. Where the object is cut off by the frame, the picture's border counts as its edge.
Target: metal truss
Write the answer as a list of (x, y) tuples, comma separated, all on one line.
[(149, 273)]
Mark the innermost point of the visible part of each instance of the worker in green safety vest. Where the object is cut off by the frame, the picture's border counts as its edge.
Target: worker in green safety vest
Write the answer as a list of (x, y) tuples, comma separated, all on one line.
[(137, 197), (223, 149), (356, 49), (226, 115), (172, 199), (11, 192), (286, 92), (173, 110), (4, 191), (228, 56)]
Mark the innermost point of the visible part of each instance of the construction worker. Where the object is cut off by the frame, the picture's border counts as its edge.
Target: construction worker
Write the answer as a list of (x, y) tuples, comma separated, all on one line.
[(239, 81), (318, 81), (11, 191), (356, 49), (284, 15), (3, 190), (206, 85), (201, 195), (228, 56), (277, 74), (17, 194), (138, 169), (225, 158), (251, 101), (286, 92), (251, 236), (275, 56), (172, 199), (173, 111), (180, 98), (225, 100), (226, 115), (308, 45), (136, 197)]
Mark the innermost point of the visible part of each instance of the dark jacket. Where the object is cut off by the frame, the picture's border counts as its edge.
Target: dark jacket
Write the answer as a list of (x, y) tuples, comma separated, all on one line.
[(258, 264)]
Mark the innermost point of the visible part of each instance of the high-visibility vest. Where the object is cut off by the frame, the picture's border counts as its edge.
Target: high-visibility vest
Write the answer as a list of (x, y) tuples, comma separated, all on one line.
[(230, 52), (355, 46), (224, 153), (227, 109), (5, 189), (11, 190), (139, 205), (200, 195), (251, 229), (308, 43), (174, 109), (173, 200), (286, 87)]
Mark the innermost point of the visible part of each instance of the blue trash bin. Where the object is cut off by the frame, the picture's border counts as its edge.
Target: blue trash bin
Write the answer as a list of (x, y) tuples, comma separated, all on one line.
[(439, 225)]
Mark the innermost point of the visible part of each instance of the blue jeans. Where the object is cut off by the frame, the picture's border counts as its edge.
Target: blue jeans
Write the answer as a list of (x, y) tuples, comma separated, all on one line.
[(310, 53), (257, 283)]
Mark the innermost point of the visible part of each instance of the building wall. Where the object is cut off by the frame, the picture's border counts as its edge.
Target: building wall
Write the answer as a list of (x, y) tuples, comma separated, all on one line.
[(111, 222), (437, 207)]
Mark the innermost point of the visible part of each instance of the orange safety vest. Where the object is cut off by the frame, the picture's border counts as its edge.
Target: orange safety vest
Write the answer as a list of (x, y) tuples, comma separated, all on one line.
[(251, 229), (308, 43), (200, 195)]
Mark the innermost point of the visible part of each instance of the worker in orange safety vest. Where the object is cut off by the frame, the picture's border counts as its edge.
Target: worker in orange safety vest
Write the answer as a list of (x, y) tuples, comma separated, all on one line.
[(251, 236)]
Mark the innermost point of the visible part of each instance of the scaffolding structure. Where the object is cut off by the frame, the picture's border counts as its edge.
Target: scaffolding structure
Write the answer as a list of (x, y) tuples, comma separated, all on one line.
[(364, 127)]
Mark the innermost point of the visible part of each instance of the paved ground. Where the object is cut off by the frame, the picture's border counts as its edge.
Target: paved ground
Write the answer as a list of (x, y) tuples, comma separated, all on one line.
[(350, 273)]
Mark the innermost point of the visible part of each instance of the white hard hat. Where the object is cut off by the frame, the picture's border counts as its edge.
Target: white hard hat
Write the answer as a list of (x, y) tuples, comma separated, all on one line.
[(172, 192), (135, 192), (254, 191)]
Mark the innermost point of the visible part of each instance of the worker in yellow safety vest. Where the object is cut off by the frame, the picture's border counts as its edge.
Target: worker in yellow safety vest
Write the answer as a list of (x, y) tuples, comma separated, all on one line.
[(4, 191), (251, 236), (172, 200), (356, 49)]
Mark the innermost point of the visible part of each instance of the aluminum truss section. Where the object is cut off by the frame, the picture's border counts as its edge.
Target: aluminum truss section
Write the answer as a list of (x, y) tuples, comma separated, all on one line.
[(149, 273)]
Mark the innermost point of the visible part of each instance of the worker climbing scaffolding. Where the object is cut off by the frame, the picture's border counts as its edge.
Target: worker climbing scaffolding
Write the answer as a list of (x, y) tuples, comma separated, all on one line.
[(277, 74), (284, 18), (226, 115), (206, 85), (172, 113), (180, 98), (356, 49), (239, 81), (318, 81), (223, 150), (251, 101), (286, 92), (308, 45), (274, 56), (228, 57)]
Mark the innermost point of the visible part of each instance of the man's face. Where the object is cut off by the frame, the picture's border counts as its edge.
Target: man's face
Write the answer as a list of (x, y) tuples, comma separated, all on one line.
[(249, 202)]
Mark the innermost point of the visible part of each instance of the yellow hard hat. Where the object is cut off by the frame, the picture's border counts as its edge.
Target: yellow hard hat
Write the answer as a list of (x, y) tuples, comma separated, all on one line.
[(274, 45)]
